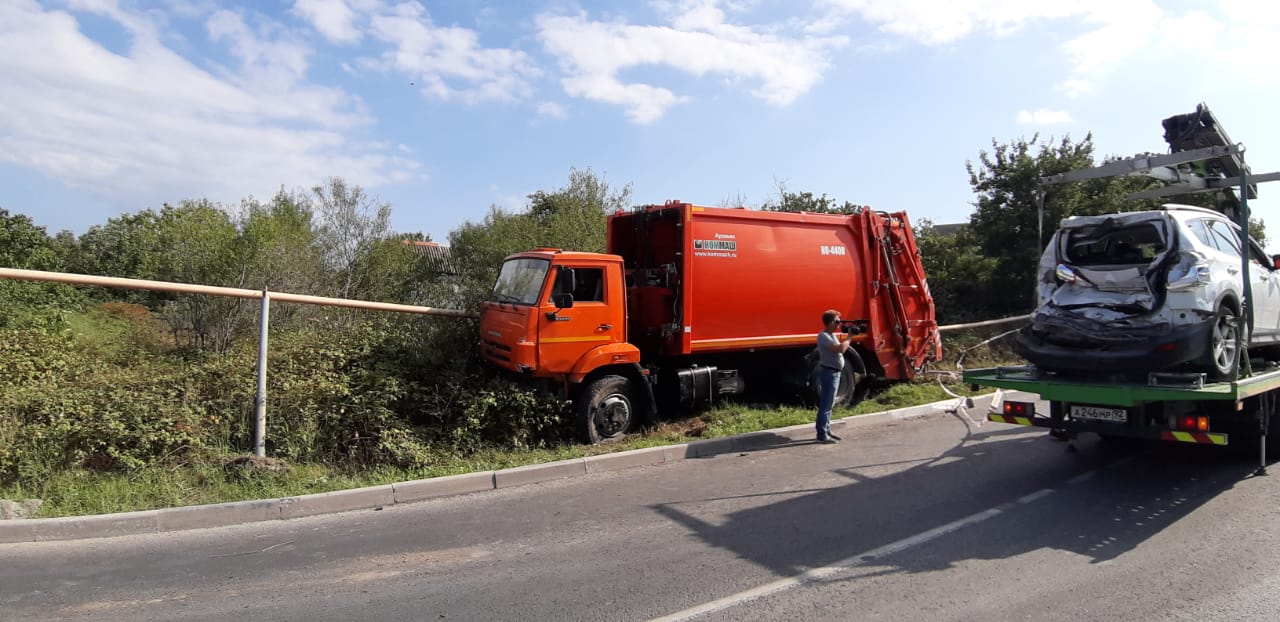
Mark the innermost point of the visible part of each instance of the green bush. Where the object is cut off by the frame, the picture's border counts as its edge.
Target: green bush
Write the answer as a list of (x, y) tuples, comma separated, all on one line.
[(115, 421), (105, 390)]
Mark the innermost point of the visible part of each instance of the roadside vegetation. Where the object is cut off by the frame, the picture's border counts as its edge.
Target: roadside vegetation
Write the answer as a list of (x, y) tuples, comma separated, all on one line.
[(116, 400)]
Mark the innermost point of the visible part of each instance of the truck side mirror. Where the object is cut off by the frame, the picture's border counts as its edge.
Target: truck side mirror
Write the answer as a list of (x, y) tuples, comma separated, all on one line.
[(1275, 261), (566, 280), (562, 301)]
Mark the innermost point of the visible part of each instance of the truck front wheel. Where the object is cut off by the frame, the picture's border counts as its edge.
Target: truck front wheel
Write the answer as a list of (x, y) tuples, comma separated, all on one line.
[(606, 409)]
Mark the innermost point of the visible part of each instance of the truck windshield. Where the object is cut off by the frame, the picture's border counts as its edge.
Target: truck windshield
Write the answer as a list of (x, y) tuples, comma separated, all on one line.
[(520, 281)]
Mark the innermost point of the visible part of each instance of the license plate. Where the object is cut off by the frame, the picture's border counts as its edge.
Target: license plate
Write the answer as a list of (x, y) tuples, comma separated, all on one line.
[(1097, 413)]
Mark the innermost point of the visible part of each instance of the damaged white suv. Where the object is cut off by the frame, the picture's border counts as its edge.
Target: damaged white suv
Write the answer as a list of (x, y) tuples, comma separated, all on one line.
[(1149, 291)]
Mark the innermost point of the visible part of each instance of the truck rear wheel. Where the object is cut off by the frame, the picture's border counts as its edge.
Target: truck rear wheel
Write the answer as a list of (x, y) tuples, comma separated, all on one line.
[(606, 409), (853, 380), (857, 377)]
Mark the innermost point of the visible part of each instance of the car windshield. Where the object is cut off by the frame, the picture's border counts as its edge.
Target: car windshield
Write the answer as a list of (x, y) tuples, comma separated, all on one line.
[(520, 281), (1103, 246)]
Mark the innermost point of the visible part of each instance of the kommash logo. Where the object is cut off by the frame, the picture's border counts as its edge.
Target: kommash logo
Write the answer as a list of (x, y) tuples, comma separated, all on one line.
[(724, 245)]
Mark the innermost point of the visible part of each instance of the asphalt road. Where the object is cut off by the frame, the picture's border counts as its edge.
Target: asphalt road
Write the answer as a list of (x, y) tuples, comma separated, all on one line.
[(923, 519)]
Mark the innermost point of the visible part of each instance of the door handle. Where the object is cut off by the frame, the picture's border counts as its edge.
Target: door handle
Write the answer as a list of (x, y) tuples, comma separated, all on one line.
[(605, 327)]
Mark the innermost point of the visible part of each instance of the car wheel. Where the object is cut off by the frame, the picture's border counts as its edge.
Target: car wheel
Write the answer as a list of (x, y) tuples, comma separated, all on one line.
[(1224, 350)]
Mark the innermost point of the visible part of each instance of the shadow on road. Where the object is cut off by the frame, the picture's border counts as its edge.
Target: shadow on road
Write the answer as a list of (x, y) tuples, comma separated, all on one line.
[(1102, 502)]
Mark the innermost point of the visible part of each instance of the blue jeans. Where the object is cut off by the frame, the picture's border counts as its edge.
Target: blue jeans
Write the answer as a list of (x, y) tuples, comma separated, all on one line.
[(829, 381)]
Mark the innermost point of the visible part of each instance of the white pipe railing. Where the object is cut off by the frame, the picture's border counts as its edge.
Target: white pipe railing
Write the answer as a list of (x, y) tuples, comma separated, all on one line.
[(260, 399), (1007, 320)]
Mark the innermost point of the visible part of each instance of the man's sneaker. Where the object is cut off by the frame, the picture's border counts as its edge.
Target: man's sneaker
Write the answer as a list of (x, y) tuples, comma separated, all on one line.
[(827, 439), (832, 436)]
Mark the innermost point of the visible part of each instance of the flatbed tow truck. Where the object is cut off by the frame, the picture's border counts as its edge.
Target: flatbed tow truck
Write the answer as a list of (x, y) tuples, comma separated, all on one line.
[(1170, 406)]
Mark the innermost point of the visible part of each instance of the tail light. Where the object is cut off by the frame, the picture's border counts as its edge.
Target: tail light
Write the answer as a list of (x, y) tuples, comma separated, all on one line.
[(1193, 423), (1018, 409), (1191, 271), (1065, 273)]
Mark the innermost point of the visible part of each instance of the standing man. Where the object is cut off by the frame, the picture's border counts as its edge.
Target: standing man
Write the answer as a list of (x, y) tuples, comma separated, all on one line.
[(830, 365)]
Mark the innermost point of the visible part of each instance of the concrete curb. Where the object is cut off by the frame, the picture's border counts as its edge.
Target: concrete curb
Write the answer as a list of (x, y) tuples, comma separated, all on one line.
[(377, 497)]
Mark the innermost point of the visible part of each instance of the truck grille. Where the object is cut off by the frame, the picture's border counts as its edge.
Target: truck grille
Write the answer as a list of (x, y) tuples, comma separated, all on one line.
[(496, 351)]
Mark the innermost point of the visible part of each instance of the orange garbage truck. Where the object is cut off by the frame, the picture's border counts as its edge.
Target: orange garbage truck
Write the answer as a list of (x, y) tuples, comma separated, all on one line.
[(690, 303)]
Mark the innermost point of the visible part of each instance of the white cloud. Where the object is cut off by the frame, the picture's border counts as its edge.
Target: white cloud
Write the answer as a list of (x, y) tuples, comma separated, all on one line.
[(934, 22), (449, 62), (552, 109), (1110, 31), (1127, 28), (148, 125), (698, 42), (1196, 30), (334, 19), (1043, 117), (136, 24), (1076, 87), (270, 61)]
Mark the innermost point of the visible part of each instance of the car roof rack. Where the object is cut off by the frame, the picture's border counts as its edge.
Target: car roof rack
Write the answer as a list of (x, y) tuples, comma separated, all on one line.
[(1176, 207)]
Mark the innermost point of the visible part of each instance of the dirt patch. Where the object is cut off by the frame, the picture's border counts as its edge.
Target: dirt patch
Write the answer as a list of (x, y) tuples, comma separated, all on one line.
[(255, 465)]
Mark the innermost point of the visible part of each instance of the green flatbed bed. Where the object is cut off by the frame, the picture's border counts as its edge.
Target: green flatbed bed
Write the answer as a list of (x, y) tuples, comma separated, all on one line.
[(1105, 393)]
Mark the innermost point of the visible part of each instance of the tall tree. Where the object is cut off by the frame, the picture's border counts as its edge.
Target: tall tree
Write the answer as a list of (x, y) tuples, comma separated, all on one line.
[(572, 217), (25, 245), (350, 224), (277, 250), (198, 240), (278, 245), (127, 246), (962, 279), (1006, 221), (788, 201)]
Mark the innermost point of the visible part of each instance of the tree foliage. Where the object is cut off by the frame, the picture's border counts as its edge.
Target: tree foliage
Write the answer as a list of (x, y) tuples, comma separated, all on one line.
[(572, 217), (25, 245), (788, 201), (349, 224)]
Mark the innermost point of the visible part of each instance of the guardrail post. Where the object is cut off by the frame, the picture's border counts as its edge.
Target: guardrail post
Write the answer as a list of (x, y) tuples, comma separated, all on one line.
[(260, 402)]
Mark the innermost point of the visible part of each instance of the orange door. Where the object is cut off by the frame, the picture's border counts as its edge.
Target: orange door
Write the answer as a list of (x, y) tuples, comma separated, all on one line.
[(596, 318)]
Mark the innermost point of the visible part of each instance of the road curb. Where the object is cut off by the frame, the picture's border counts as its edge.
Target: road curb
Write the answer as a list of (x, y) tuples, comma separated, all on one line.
[(534, 473), (420, 489), (377, 497)]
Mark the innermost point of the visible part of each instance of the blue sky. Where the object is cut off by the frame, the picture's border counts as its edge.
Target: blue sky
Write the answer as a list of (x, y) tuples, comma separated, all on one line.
[(445, 108)]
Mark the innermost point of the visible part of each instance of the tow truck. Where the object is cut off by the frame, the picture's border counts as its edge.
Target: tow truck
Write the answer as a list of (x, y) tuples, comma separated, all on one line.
[(1170, 406)]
